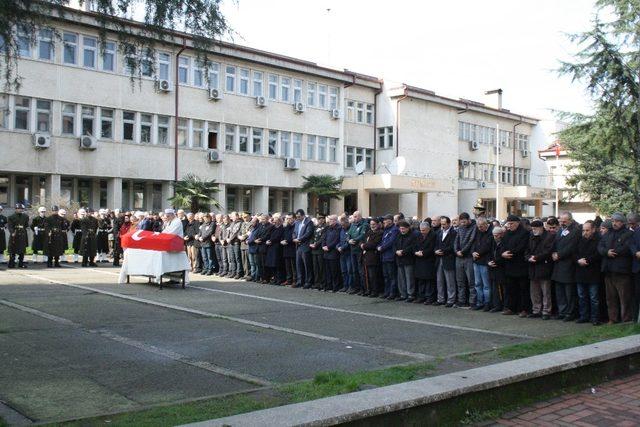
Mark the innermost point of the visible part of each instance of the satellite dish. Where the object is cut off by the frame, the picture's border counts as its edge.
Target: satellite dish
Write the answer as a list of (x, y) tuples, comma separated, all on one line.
[(360, 167), (397, 165)]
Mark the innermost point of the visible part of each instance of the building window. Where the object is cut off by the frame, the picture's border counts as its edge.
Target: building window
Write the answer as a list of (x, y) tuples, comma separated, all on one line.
[(322, 96), (368, 159), (349, 157), (369, 114), (311, 94), (68, 119), (333, 149), (285, 86), (523, 141), (230, 137), (351, 111), (128, 125), (297, 145), (45, 44), (164, 65), (197, 138), (257, 83), (146, 123), (273, 142), (212, 135), (257, 141), (359, 155), (22, 113), (198, 75), (43, 115), (230, 84), (297, 90), (244, 81), (70, 48), (163, 130), (88, 116), (109, 57), (146, 63), (4, 110), (183, 132), (333, 97), (183, 70), (89, 52), (214, 75), (311, 147), (106, 123), (385, 137), (273, 87), (285, 139), (322, 148), (243, 146), (24, 43), (360, 112)]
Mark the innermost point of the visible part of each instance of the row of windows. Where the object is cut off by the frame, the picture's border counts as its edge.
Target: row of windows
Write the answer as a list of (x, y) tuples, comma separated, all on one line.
[(83, 50), (487, 135), (486, 172), (355, 155), (359, 112)]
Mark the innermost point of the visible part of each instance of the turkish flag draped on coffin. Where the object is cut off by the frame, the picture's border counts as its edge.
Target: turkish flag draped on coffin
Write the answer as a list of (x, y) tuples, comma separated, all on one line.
[(149, 240)]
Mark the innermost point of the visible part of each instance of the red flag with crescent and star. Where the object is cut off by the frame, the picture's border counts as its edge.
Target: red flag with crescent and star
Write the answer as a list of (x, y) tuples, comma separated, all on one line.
[(141, 239)]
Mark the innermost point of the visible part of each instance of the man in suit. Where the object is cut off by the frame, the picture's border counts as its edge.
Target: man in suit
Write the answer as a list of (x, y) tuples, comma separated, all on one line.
[(302, 233), (538, 255), (564, 269), (446, 263), (329, 242)]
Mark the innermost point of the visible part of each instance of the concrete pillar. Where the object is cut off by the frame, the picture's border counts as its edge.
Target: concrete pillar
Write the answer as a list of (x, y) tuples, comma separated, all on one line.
[(422, 206), (114, 193), (261, 199), (501, 209), (538, 208), (131, 193), (35, 192), (239, 196), (148, 196), (336, 206), (12, 196), (278, 198), (167, 192), (95, 194), (363, 202), (52, 189), (222, 197), (299, 200)]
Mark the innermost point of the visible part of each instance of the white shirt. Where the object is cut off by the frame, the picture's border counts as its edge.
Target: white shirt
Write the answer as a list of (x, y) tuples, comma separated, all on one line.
[(445, 232), (174, 227)]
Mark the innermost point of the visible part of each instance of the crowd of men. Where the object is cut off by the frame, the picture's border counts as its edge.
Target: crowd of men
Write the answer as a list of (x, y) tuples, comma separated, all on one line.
[(548, 268)]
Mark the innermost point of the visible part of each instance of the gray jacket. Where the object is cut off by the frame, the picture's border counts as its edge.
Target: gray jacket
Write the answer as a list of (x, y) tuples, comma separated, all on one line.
[(464, 239)]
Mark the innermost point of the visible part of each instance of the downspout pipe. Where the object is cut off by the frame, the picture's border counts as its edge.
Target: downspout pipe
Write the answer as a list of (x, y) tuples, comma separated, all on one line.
[(375, 127), (513, 167), (177, 105), (405, 96)]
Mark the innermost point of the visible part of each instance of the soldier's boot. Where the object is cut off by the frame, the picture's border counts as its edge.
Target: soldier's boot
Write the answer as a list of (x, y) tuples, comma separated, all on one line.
[(85, 261), (21, 263), (92, 262), (12, 260), (49, 263), (56, 261)]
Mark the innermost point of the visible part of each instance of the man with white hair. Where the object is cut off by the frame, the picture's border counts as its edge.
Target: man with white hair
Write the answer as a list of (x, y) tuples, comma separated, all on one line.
[(39, 237), (173, 225)]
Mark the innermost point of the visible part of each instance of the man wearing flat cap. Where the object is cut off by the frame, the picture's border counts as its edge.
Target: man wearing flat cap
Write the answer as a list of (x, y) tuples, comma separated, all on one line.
[(515, 242), (18, 240), (616, 252)]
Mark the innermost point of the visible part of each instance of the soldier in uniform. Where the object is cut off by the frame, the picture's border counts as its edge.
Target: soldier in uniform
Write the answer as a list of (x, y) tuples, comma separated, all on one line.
[(104, 228), (77, 235), (39, 242), (88, 242), (118, 222), (54, 233), (3, 241), (65, 231), (18, 240)]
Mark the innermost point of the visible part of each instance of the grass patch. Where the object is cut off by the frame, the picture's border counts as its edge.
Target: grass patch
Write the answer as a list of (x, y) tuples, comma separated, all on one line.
[(589, 336)]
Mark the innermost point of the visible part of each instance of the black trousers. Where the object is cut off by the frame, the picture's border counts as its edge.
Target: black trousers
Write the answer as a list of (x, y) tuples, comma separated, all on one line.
[(426, 289), (331, 274), (567, 298), (318, 269), (290, 270), (304, 268), (372, 283), (516, 294)]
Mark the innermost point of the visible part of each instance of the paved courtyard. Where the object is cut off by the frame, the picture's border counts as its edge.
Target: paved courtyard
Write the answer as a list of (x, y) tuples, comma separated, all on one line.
[(74, 343)]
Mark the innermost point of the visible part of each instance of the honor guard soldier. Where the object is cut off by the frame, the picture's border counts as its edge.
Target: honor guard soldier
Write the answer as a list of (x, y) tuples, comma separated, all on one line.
[(89, 228), (65, 231), (104, 228), (77, 235), (18, 240), (54, 231), (3, 240), (39, 241)]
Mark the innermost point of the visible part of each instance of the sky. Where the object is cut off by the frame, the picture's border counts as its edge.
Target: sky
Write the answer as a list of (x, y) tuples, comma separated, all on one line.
[(457, 48)]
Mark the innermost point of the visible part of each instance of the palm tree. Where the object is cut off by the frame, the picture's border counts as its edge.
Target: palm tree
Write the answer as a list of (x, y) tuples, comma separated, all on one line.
[(322, 188), (194, 193)]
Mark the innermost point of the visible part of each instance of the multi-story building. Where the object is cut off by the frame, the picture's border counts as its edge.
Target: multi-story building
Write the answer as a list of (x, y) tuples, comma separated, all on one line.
[(81, 130)]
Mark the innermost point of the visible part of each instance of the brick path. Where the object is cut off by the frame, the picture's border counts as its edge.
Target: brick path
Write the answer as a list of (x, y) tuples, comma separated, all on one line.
[(615, 403)]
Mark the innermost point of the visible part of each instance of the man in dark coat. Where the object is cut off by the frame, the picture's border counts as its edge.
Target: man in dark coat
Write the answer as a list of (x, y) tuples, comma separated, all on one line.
[(538, 255), (465, 235), (39, 242), (515, 242), (371, 258), (329, 242), (317, 254), (635, 248), (18, 240), (302, 234), (564, 255), (88, 243), (446, 263), (615, 249), (3, 240), (388, 257), (588, 277), (54, 230), (356, 234), (204, 237), (117, 222), (425, 267), (289, 251), (273, 256), (496, 269), (480, 250), (404, 247)]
